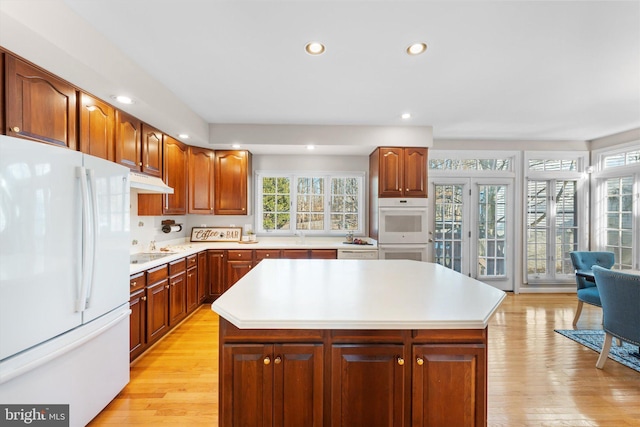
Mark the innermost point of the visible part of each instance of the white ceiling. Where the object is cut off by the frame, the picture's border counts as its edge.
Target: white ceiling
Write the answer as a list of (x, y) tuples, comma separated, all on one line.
[(504, 70)]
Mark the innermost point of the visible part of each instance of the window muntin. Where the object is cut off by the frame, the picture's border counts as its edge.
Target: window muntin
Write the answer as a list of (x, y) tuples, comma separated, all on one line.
[(316, 203), (564, 165), (621, 159)]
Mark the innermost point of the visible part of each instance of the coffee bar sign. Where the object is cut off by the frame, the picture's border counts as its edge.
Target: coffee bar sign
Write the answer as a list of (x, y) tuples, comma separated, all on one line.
[(216, 234)]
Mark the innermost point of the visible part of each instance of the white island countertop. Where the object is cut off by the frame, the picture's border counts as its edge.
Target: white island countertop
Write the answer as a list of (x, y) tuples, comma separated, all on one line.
[(357, 294)]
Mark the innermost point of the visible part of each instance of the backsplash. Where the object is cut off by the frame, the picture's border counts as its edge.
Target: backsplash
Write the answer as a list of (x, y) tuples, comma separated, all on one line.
[(145, 229)]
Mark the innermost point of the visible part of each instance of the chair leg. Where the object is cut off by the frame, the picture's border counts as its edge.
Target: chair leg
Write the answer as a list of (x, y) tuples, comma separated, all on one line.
[(608, 338), (578, 312)]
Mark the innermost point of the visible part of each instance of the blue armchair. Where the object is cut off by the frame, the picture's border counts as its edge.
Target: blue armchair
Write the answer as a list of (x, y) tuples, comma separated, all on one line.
[(620, 295), (587, 290)]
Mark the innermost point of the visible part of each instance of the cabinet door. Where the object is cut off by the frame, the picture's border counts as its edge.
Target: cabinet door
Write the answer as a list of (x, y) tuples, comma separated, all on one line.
[(246, 395), (137, 323), (175, 176), (236, 270), (177, 298), (157, 310), (151, 151), (216, 260), (298, 385), (192, 290), (231, 171), (368, 385), (415, 172), (443, 371), (97, 126), (203, 277), (200, 180), (128, 141), (391, 172), (39, 106), (266, 254)]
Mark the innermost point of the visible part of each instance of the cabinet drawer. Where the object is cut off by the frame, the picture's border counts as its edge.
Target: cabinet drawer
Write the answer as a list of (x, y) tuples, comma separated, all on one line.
[(267, 253), (192, 261), (178, 266), (137, 281), (239, 255), (157, 274)]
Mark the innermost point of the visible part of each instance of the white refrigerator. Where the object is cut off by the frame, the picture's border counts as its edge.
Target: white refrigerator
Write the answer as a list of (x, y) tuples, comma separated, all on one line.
[(64, 278)]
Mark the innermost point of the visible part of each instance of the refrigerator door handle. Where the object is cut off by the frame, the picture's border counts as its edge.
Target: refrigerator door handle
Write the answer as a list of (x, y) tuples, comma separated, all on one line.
[(86, 213), (94, 236)]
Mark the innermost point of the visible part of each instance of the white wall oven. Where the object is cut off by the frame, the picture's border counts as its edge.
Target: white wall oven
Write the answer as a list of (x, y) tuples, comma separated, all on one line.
[(402, 232)]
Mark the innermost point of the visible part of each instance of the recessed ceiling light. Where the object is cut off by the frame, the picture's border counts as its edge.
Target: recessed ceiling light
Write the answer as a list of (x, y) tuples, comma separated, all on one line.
[(416, 48), (183, 136), (311, 147), (236, 146), (314, 48), (406, 116), (123, 99)]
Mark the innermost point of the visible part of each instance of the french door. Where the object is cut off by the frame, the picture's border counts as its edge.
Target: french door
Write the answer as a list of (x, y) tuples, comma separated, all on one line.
[(471, 230)]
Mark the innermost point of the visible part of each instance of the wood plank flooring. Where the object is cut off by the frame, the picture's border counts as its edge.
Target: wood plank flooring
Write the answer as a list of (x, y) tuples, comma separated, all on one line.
[(536, 376)]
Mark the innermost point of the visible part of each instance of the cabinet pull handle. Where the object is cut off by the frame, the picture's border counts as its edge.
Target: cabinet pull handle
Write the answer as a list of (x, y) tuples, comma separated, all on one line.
[(266, 360), (277, 360), (400, 361), (16, 129), (419, 361)]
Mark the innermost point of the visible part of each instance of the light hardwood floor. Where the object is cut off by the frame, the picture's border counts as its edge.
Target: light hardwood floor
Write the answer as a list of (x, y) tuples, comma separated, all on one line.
[(536, 376)]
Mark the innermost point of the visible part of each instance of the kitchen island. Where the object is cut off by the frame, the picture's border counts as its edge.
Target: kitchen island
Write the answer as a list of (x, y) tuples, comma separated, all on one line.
[(354, 343)]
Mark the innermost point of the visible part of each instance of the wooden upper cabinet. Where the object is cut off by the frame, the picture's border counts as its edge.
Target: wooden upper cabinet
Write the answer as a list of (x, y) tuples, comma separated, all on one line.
[(128, 142), (151, 151), (97, 126), (201, 161), (400, 172), (231, 170), (39, 106), (175, 176)]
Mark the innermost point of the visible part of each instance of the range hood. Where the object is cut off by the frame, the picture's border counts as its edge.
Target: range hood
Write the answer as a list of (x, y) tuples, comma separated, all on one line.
[(148, 184)]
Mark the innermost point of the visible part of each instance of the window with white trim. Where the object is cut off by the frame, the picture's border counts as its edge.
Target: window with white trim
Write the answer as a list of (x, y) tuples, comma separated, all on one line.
[(616, 212), (556, 214), (313, 203)]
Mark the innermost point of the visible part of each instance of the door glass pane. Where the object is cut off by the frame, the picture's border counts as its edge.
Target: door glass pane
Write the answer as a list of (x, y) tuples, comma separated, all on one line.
[(492, 225), (448, 226), (537, 228), (566, 225), (619, 220)]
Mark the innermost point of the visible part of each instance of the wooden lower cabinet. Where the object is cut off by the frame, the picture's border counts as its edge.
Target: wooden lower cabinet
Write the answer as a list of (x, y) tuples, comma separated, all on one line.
[(373, 378), (274, 385), (203, 277), (177, 291), (239, 263), (157, 303), (193, 300), (368, 385), (216, 266), (138, 317)]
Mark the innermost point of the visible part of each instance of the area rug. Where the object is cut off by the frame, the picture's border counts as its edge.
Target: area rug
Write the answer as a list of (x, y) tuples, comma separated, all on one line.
[(626, 354)]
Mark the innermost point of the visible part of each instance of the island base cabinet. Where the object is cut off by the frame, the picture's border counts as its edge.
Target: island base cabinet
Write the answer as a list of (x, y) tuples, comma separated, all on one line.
[(447, 381), (368, 386), (272, 385)]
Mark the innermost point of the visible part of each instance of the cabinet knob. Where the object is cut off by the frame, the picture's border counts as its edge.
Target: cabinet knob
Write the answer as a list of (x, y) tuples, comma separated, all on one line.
[(134, 283), (139, 163), (16, 129), (419, 361), (267, 255), (266, 360), (144, 298), (400, 361), (277, 360), (166, 287)]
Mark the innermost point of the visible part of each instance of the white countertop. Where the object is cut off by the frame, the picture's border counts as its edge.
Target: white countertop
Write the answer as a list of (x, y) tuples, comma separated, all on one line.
[(182, 250), (357, 294)]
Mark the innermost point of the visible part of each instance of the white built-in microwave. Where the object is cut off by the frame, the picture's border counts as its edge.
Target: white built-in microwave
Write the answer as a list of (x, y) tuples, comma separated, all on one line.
[(402, 220)]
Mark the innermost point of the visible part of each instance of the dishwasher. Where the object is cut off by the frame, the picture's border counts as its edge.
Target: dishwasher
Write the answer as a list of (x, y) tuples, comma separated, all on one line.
[(357, 253)]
